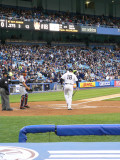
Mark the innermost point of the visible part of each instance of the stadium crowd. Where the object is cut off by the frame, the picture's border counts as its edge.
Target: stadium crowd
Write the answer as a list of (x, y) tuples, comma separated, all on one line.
[(40, 15), (47, 63)]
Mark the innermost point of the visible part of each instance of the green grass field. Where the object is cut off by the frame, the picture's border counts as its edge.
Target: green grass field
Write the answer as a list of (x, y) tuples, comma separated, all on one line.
[(10, 126), (59, 96)]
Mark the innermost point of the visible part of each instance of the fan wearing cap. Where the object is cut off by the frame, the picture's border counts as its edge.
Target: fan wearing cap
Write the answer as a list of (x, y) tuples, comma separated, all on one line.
[(23, 88), (4, 91), (69, 79)]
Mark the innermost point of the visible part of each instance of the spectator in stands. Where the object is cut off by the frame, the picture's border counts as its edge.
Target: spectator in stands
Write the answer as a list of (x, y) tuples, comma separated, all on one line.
[(38, 15), (49, 62)]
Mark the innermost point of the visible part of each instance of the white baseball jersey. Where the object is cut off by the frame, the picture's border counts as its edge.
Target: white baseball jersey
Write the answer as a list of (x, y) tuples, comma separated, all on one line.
[(69, 78)]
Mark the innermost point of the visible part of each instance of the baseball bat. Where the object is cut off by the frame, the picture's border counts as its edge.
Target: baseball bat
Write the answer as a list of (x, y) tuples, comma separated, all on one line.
[(74, 92)]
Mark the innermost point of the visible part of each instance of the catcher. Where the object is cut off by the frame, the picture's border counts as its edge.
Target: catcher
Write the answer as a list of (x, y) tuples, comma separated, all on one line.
[(23, 90)]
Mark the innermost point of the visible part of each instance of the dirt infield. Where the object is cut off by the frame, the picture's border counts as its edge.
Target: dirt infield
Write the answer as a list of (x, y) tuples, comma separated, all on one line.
[(87, 106)]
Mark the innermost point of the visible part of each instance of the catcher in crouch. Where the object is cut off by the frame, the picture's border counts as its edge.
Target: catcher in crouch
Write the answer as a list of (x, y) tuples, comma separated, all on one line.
[(23, 90)]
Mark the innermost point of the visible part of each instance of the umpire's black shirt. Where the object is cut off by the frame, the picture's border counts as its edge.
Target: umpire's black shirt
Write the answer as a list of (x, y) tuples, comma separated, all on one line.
[(4, 84)]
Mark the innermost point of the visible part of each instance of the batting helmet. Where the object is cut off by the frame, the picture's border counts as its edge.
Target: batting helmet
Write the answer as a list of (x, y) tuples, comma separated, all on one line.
[(70, 69)]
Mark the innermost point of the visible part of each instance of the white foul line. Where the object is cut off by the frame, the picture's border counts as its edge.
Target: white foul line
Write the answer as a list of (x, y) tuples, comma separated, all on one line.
[(98, 98)]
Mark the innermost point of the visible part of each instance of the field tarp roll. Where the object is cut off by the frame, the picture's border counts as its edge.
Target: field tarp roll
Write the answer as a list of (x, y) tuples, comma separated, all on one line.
[(89, 129), (34, 129)]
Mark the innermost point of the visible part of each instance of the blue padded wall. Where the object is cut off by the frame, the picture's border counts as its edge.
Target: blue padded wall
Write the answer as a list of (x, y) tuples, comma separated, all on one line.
[(90, 129), (34, 129)]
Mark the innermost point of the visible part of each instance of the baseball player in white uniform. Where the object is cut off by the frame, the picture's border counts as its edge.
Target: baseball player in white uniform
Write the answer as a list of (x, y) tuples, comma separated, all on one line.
[(69, 79), (24, 94)]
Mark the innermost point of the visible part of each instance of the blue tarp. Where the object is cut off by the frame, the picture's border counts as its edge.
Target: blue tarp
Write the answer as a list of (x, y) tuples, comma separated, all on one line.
[(89, 129), (71, 130), (34, 129)]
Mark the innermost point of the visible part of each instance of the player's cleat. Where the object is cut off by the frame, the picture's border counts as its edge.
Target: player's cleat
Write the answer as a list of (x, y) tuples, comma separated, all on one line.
[(3, 109), (26, 106), (22, 107), (9, 109), (69, 108)]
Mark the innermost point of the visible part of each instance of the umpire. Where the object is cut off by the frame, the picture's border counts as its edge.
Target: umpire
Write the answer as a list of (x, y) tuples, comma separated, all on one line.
[(4, 91)]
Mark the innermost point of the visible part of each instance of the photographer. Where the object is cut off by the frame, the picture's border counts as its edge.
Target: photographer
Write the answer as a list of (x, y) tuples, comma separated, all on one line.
[(4, 91)]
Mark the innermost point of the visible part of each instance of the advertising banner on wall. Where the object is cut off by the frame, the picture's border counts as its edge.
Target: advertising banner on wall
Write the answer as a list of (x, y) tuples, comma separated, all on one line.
[(106, 83), (87, 84), (88, 29), (117, 83)]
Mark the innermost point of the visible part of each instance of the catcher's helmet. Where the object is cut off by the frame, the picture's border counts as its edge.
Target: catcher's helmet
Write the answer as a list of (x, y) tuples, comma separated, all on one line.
[(23, 72)]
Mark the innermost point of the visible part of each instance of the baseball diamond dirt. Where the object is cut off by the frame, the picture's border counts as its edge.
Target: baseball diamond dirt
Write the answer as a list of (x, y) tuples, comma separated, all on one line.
[(87, 106)]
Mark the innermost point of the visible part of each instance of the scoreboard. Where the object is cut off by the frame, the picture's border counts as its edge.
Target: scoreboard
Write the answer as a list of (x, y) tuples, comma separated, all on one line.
[(44, 26), (13, 24)]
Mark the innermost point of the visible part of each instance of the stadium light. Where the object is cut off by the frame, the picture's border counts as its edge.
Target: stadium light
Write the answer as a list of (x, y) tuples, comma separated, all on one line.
[(87, 2)]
